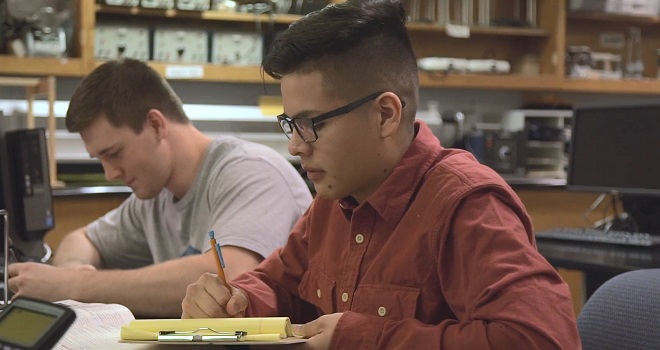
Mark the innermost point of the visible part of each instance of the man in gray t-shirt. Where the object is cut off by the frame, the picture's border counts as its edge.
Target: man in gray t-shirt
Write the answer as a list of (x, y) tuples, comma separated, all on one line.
[(232, 194), (147, 251)]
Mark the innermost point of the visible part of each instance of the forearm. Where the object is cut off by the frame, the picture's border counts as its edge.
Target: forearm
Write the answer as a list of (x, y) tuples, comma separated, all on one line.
[(77, 249), (153, 291)]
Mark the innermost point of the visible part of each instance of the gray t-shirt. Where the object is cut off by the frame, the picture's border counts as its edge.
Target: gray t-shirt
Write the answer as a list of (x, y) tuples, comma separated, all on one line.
[(246, 192)]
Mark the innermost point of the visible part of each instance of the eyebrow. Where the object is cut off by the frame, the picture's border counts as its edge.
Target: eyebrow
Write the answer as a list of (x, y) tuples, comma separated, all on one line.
[(104, 151)]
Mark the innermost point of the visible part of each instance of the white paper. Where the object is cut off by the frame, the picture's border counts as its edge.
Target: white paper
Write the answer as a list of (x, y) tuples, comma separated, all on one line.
[(184, 72), (97, 326), (457, 31)]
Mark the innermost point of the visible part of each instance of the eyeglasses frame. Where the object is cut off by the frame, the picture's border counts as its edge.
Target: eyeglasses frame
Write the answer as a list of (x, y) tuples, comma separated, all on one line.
[(325, 116)]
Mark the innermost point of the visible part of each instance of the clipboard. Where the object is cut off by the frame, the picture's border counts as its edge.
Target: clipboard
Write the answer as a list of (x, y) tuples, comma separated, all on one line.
[(220, 331), (294, 340)]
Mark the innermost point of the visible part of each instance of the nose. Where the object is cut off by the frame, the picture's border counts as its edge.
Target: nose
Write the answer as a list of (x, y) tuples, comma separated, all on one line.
[(111, 172), (297, 146)]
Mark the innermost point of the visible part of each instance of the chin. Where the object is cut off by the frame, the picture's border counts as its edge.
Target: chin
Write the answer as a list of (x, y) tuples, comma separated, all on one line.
[(144, 195), (326, 193)]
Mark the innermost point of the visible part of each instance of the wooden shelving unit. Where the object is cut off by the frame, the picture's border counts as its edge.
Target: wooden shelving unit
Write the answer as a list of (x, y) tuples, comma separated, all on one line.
[(604, 17), (556, 31), (67, 67), (486, 31), (202, 15), (491, 82), (640, 87), (216, 73)]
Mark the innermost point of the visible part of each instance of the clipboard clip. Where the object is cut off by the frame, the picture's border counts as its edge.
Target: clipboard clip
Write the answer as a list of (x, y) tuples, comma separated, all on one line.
[(184, 336)]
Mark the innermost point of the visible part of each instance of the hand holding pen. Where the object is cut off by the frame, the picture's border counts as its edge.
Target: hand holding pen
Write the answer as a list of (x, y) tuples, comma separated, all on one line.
[(219, 261)]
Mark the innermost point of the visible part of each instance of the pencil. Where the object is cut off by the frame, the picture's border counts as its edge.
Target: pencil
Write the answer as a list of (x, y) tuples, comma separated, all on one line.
[(219, 261)]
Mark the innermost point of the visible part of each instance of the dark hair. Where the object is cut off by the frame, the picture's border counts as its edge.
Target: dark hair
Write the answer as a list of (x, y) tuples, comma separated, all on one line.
[(122, 91), (358, 46)]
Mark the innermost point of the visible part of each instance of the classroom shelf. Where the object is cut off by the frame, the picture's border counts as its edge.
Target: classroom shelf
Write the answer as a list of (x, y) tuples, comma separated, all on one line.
[(40, 66), (204, 15)]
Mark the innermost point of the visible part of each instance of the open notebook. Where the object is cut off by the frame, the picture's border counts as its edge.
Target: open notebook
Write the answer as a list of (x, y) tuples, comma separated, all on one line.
[(97, 326), (246, 331)]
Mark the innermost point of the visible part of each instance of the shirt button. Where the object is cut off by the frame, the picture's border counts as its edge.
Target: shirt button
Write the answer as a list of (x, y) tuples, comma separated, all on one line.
[(359, 238), (318, 293), (344, 297), (382, 311)]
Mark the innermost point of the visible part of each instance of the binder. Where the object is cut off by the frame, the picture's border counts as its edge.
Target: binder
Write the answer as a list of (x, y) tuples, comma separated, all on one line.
[(225, 331)]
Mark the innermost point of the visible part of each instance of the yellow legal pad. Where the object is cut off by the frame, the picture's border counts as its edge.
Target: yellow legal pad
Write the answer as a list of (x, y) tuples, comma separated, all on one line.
[(253, 330)]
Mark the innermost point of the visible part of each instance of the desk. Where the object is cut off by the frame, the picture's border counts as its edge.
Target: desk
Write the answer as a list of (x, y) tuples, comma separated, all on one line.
[(599, 262)]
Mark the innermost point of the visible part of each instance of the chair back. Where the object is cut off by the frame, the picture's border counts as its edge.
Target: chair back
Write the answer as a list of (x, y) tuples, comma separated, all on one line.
[(623, 313)]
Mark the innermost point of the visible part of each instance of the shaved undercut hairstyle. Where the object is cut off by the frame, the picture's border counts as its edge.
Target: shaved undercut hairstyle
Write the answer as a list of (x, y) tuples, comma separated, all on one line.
[(358, 46)]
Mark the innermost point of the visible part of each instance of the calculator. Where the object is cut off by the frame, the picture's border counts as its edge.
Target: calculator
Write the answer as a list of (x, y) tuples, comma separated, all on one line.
[(30, 324)]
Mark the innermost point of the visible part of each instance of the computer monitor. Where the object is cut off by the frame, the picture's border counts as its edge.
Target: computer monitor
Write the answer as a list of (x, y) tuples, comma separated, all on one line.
[(25, 190), (614, 149)]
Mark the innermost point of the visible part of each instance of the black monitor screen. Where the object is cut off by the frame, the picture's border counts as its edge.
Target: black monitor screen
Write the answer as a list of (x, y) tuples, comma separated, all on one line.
[(616, 149)]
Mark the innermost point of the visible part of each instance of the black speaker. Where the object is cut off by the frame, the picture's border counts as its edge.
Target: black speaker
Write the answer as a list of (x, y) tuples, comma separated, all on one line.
[(26, 191)]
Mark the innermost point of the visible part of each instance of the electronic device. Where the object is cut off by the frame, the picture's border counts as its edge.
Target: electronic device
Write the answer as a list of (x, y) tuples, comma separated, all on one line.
[(237, 48), (614, 149), (157, 4), (193, 5), (181, 45), (26, 190), (46, 37), (33, 324), (505, 152), (116, 41), (594, 235)]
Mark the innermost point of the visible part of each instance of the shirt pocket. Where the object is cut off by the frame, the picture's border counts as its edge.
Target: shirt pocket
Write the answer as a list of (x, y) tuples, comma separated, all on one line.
[(318, 289), (394, 302)]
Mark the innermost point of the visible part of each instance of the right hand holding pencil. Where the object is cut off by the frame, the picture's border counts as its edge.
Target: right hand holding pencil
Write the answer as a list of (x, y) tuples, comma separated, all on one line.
[(210, 298)]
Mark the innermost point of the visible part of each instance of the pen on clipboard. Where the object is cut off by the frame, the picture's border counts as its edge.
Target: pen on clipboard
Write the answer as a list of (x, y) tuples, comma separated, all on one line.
[(219, 261)]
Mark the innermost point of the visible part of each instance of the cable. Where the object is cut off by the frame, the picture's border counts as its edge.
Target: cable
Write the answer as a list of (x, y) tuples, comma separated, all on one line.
[(48, 253), (593, 207)]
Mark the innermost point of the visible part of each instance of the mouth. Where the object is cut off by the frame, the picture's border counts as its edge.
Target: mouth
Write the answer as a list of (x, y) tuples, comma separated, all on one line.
[(314, 174)]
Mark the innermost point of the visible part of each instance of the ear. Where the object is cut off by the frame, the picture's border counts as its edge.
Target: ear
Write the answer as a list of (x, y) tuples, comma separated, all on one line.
[(156, 122), (390, 109)]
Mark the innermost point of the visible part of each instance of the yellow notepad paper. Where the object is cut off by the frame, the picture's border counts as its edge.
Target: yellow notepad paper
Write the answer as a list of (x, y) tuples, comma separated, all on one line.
[(267, 329)]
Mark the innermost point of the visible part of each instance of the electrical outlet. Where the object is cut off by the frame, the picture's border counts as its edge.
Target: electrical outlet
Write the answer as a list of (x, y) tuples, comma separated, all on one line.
[(181, 45), (237, 48), (114, 41)]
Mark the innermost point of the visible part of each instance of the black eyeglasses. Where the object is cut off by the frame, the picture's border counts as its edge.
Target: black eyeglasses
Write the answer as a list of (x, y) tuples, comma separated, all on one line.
[(306, 126)]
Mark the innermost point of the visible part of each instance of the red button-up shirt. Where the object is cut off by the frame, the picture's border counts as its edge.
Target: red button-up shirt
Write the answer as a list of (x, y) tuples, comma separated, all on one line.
[(441, 256)]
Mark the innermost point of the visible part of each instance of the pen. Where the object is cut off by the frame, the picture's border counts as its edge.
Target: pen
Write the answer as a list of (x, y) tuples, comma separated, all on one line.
[(219, 261)]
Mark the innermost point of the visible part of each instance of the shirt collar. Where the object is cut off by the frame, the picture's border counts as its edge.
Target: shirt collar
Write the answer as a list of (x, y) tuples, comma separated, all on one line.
[(391, 199)]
